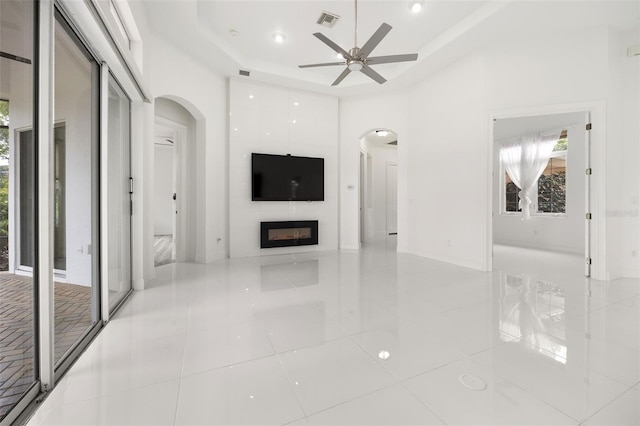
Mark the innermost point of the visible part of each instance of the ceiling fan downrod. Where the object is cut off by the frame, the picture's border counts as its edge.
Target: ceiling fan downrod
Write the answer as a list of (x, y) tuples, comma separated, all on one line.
[(355, 33)]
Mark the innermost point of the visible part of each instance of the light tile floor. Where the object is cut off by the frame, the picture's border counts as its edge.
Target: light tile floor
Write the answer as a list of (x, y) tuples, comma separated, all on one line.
[(361, 338), (72, 314)]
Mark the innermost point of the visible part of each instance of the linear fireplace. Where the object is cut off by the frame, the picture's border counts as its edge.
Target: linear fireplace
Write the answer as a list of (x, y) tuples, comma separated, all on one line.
[(288, 233)]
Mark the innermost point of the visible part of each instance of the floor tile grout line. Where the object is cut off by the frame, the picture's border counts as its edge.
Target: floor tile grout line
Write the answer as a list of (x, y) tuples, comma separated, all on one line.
[(293, 390), (184, 351), (631, 389), (424, 404)]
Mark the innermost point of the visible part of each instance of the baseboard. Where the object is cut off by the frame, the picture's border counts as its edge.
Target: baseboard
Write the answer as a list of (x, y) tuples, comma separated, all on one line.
[(554, 248), (627, 273), (478, 266), (349, 247), (138, 284)]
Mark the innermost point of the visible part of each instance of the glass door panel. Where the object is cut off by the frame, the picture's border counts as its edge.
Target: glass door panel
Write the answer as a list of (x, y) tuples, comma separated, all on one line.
[(76, 269), (118, 197), (18, 369), (59, 201)]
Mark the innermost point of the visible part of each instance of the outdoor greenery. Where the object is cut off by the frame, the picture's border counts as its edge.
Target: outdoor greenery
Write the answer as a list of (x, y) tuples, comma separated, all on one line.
[(552, 193), (4, 185), (4, 170), (561, 145)]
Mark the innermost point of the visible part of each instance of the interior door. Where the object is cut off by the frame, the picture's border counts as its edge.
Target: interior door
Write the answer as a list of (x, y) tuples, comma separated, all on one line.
[(392, 199), (362, 201)]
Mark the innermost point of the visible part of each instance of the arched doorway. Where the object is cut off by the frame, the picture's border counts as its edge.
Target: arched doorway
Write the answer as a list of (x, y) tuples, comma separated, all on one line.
[(175, 184), (378, 197)]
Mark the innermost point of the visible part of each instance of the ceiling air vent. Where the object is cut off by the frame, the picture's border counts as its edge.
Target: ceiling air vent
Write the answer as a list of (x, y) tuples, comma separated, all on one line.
[(328, 19), (244, 73)]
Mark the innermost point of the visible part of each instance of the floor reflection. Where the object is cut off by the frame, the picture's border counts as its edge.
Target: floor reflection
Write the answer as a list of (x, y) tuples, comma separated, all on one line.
[(532, 312)]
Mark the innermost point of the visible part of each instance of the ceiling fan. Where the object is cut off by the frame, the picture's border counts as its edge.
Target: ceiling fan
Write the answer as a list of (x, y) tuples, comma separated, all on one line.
[(357, 59)]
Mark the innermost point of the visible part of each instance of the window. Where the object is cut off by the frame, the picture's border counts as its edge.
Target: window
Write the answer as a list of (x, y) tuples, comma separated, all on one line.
[(551, 186)]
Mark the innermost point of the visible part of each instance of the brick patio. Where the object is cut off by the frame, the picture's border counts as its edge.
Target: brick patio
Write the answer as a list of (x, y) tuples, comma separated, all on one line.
[(72, 318)]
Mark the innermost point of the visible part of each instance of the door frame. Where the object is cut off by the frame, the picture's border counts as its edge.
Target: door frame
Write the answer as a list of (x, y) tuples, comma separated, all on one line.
[(595, 200), (179, 182)]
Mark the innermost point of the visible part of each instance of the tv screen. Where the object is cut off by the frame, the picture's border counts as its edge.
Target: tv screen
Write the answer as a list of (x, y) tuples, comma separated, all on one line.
[(286, 178)]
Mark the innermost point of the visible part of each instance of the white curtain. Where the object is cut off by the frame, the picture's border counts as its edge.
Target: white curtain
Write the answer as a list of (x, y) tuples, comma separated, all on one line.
[(524, 159)]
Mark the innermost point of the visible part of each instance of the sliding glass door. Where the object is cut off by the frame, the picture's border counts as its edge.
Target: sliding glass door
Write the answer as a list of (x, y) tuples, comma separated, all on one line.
[(65, 201), (118, 191), (18, 335), (75, 200)]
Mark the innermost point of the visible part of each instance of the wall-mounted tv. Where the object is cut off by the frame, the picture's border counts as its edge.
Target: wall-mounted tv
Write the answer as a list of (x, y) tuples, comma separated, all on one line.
[(286, 178)]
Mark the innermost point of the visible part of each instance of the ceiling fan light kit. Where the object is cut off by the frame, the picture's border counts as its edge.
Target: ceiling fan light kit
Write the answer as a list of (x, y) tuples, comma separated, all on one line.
[(357, 59)]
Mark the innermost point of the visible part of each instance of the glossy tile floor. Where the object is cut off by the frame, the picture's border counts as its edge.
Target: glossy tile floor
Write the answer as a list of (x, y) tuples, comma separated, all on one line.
[(363, 338)]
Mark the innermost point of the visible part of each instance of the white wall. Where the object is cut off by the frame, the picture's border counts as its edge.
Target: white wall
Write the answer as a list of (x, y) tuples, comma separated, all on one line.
[(623, 156), (449, 124), (446, 117), (174, 75), (270, 123), (163, 190), (447, 133), (559, 233), (376, 193)]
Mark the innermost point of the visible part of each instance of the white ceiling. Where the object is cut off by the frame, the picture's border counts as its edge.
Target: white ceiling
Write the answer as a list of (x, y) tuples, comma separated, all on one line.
[(444, 31)]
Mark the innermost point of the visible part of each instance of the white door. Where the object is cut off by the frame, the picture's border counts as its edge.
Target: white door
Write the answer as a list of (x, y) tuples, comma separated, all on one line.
[(392, 198), (362, 183)]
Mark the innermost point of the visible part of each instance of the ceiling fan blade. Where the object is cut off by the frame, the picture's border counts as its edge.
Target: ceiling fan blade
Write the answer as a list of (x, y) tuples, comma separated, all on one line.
[(332, 45), (372, 74), (392, 58), (326, 64), (341, 76), (375, 39)]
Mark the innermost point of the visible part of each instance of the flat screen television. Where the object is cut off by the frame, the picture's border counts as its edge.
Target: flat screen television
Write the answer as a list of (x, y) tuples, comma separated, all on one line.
[(286, 178)]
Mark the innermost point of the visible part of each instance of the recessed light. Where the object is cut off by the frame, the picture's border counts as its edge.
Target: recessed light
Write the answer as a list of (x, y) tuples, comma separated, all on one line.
[(416, 6), (279, 37), (234, 33), (296, 104), (250, 96)]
